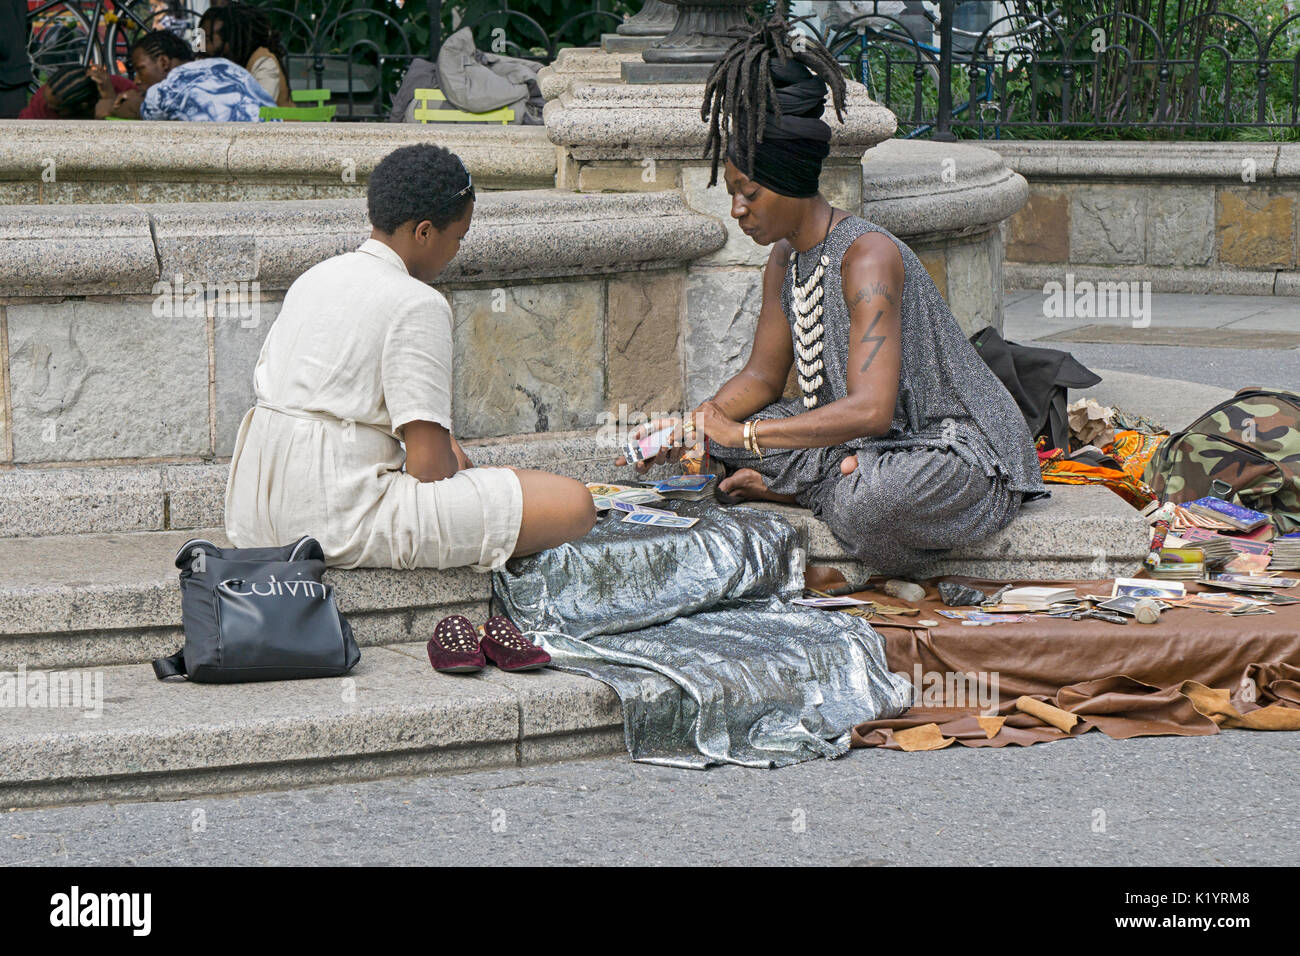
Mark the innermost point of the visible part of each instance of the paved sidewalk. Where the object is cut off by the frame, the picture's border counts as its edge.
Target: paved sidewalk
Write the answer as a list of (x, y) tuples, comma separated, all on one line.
[(1228, 368), (1218, 801)]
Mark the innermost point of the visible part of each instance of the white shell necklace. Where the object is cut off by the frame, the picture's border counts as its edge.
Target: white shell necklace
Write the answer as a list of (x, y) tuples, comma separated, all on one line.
[(807, 297)]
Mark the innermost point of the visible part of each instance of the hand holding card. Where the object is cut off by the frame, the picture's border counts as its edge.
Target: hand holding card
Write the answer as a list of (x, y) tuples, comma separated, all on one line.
[(656, 443)]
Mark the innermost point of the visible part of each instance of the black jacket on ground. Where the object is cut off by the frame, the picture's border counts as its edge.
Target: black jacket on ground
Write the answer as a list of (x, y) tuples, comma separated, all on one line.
[(1037, 379)]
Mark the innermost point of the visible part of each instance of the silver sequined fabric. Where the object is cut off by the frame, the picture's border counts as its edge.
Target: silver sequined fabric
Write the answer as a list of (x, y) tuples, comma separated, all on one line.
[(958, 458), (695, 632)]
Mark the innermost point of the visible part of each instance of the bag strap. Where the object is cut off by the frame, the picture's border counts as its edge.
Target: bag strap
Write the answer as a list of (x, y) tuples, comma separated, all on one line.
[(174, 666)]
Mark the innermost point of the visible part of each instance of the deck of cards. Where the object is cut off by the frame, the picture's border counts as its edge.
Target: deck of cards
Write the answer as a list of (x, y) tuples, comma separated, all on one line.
[(605, 495), (683, 487)]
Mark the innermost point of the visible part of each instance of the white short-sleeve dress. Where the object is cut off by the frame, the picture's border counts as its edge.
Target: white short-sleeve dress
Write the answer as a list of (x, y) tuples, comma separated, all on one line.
[(359, 349)]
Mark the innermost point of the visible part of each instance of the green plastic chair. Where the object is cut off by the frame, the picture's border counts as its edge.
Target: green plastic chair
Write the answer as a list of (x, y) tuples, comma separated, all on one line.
[(320, 113), (427, 114)]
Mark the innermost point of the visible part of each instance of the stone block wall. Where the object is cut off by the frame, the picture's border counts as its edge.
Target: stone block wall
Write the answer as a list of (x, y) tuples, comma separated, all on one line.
[(565, 308), (84, 161), (1187, 217)]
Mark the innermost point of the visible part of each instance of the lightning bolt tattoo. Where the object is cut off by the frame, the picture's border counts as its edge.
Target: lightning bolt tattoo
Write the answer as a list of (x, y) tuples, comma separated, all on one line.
[(878, 339)]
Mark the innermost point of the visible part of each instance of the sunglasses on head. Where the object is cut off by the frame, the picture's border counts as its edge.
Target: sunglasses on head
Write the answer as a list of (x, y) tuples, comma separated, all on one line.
[(467, 191)]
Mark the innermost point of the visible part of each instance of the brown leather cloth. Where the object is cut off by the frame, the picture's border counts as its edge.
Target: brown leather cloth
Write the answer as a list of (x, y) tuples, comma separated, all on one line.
[(1190, 674)]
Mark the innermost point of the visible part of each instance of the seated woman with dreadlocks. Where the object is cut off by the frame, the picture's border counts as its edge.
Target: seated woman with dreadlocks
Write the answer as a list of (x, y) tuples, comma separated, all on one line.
[(903, 440), (243, 34)]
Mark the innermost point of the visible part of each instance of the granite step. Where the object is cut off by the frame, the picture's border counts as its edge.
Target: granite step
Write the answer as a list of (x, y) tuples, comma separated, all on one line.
[(104, 599), (129, 736), (158, 497)]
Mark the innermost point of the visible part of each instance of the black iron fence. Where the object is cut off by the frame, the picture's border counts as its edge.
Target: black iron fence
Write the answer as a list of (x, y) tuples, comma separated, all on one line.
[(1143, 68), (357, 49), (360, 50), (947, 68)]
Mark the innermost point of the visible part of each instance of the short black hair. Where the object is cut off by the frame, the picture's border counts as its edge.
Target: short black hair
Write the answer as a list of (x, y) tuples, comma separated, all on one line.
[(163, 43), (415, 183), (77, 93)]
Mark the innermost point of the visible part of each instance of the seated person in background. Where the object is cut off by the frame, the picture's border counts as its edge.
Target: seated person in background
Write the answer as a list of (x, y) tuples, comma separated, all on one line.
[(358, 362), (179, 87), (243, 35), (77, 92)]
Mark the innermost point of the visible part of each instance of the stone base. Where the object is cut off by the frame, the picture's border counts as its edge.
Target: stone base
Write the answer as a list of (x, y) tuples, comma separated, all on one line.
[(643, 73), (616, 43)]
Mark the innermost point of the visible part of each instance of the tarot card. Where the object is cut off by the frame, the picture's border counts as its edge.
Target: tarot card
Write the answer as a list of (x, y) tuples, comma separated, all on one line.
[(1240, 582), (955, 615), (681, 483), (1248, 563), (1217, 603), (983, 617), (646, 509), (659, 521), (1145, 587), (828, 602), (1127, 605), (639, 449), (1261, 580)]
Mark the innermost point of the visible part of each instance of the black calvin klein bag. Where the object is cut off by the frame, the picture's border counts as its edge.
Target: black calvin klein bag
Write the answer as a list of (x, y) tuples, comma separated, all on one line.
[(255, 614)]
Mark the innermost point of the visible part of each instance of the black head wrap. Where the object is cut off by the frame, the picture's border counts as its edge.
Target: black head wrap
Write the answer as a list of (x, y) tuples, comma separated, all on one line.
[(795, 141), (780, 86)]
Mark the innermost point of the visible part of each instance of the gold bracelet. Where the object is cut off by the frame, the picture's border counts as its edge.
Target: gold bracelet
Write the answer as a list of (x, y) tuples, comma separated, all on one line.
[(748, 428), (753, 432)]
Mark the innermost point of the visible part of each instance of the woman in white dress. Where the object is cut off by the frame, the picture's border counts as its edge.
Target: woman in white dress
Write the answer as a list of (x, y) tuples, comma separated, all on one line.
[(358, 362)]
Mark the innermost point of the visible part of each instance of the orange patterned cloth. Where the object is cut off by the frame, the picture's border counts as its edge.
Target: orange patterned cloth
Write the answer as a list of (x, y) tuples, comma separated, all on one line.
[(1132, 449)]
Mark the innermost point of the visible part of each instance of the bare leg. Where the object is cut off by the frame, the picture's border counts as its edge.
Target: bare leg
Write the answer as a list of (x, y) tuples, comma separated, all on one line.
[(556, 510)]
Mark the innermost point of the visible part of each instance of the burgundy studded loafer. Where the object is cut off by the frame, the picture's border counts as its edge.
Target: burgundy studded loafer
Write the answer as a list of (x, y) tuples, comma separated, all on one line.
[(454, 647), (510, 650)]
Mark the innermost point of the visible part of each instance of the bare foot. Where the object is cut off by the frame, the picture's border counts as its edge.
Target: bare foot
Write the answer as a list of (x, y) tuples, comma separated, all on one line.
[(849, 465), (747, 485)]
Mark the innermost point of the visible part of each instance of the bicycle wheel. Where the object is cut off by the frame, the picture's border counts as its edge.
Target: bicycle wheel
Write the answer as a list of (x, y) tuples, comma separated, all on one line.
[(59, 37), (136, 18)]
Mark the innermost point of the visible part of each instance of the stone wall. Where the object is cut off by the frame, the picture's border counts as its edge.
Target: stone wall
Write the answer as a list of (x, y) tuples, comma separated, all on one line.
[(566, 307), (84, 161), (1188, 217)]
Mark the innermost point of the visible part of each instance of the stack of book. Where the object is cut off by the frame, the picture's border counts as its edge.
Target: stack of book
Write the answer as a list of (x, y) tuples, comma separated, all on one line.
[(1286, 553), (1180, 564), (1219, 549), (1037, 598), (1233, 515)]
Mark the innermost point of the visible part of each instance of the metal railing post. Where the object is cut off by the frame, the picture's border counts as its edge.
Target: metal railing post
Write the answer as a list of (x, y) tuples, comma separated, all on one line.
[(435, 28), (943, 122)]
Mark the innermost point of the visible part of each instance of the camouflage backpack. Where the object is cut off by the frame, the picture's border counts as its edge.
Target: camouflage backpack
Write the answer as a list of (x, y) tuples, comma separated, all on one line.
[(1250, 444)]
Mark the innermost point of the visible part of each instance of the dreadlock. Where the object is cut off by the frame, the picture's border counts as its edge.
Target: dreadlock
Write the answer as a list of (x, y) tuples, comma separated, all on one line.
[(740, 85), (244, 28), (75, 91), (163, 43)]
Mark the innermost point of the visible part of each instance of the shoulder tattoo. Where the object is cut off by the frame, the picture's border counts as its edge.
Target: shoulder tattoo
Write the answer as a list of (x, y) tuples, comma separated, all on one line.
[(880, 288)]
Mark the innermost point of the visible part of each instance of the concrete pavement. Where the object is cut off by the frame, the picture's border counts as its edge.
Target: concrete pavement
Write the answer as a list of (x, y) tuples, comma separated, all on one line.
[(1219, 801)]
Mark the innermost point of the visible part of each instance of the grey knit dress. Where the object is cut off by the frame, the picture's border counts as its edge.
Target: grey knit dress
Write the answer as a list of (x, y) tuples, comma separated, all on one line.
[(957, 460)]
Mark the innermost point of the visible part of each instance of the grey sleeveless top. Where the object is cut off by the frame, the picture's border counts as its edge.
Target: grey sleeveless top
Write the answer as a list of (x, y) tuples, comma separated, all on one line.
[(947, 396)]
